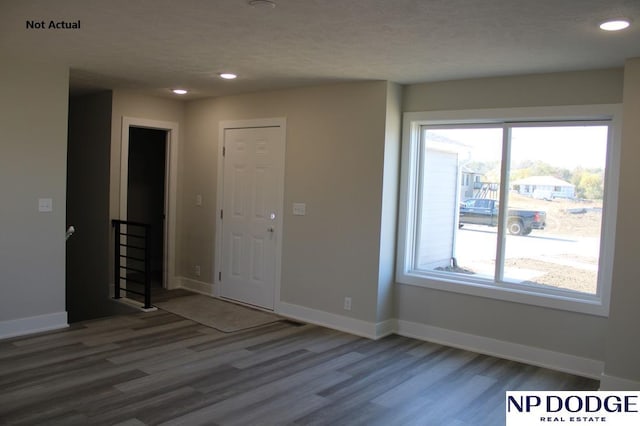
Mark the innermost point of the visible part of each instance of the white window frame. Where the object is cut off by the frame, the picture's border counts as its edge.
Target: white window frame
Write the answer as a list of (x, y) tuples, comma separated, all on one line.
[(597, 304)]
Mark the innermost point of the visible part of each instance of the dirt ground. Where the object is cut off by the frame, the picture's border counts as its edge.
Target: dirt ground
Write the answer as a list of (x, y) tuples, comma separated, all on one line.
[(565, 217), (558, 276), (572, 218)]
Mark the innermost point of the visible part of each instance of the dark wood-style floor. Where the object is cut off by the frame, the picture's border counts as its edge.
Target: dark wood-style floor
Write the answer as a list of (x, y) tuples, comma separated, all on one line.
[(158, 368)]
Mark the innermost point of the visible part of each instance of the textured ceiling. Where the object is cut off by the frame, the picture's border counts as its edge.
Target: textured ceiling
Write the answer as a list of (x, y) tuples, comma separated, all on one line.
[(155, 45)]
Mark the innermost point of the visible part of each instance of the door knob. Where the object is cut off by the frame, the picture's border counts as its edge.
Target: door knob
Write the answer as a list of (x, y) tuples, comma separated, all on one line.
[(70, 231)]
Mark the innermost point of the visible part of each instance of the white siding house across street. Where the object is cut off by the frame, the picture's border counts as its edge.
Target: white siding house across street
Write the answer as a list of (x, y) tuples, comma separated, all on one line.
[(469, 183), (544, 187)]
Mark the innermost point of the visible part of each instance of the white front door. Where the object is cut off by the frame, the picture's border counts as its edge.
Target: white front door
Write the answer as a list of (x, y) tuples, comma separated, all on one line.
[(251, 209)]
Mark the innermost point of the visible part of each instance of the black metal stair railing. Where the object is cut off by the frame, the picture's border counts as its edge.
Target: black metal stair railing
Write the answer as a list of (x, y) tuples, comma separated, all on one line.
[(132, 260)]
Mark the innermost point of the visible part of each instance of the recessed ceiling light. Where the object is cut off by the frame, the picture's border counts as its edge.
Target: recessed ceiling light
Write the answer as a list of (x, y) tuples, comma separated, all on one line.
[(615, 24), (179, 91), (262, 3), (227, 75)]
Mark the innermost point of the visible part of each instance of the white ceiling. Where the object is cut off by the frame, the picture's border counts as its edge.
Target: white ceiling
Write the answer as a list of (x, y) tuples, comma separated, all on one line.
[(156, 45)]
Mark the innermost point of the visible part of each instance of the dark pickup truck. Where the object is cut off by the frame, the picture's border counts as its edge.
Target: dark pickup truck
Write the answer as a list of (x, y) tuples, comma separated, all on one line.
[(481, 211)]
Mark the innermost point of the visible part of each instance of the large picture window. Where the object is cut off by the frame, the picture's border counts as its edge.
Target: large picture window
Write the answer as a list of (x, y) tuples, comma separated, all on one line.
[(519, 208)]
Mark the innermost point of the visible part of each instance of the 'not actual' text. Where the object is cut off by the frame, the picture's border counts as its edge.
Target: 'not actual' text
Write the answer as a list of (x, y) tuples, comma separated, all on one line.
[(53, 25)]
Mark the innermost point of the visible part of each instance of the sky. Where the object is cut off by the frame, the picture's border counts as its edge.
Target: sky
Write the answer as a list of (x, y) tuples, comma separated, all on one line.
[(566, 146)]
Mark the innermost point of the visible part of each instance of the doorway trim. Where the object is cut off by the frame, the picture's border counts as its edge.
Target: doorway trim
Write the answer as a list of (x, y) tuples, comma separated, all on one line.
[(170, 187), (280, 122)]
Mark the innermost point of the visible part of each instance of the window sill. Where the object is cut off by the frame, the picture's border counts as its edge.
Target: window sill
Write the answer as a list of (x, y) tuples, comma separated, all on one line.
[(547, 298)]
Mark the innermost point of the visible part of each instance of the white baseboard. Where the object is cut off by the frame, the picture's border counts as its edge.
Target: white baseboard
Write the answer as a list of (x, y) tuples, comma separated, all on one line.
[(531, 355), (173, 282), (527, 354), (567, 363), (30, 325), (355, 326), (386, 328), (613, 383), (195, 286)]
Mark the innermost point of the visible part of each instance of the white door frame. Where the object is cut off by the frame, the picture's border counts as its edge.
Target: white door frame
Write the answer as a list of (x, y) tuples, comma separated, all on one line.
[(170, 187), (243, 124)]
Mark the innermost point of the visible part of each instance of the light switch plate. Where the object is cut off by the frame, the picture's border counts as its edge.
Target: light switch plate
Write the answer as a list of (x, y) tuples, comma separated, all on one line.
[(45, 205), (299, 209)]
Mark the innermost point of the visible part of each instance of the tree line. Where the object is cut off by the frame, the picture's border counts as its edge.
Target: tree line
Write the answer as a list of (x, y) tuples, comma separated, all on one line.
[(589, 182)]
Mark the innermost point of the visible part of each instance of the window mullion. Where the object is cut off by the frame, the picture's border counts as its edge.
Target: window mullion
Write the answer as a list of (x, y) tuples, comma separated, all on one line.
[(503, 208)]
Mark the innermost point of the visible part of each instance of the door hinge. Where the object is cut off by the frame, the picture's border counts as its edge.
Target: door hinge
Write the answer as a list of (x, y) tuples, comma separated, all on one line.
[(221, 214), (220, 276), (224, 151)]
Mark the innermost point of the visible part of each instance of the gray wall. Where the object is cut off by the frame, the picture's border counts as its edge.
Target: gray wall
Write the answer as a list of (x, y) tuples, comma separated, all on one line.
[(623, 331), (135, 105), (566, 332), (33, 108), (335, 149), (566, 88)]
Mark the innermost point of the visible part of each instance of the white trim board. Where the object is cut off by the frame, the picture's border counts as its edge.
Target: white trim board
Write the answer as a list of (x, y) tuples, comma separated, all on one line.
[(171, 185), (535, 356), (499, 348), (527, 354), (355, 326), (597, 304), (35, 324), (200, 287), (484, 345)]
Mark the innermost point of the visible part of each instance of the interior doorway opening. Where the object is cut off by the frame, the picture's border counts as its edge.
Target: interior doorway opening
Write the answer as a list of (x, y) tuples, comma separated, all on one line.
[(146, 190), (167, 145)]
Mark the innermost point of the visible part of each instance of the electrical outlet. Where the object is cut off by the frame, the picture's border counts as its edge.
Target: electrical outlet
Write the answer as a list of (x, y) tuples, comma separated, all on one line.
[(347, 303), (196, 270)]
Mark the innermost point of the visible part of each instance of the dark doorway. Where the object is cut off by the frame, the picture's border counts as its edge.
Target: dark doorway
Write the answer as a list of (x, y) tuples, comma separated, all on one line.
[(146, 190), (87, 251)]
